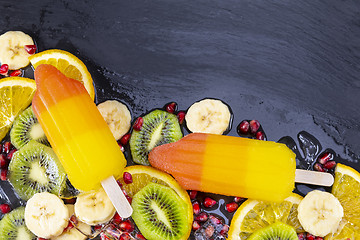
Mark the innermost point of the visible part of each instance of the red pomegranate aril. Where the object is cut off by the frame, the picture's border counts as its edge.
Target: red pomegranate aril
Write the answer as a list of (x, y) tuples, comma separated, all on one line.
[(40, 238), (244, 127), (98, 227), (181, 116), (69, 226), (104, 237), (319, 238), (237, 199), (209, 202), (254, 126), (127, 177), (302, 236), (127, 226), (224, 230), (4, 208), (125, 236), (139, 236), (4, 69), (195, 225), (117, 219), (209, 231), (215, 220), (138, 124), (3, 161), (129, 199), (125, 139), (318, 167), (121, 147), (119, 183), (196, 207), (10, 154), (16, 73), (330, 164), (202, 217), (260, 135), (193, 194), (325, 157), (171, 107), (6, 147), (231, 207), (3, 174), (31, 49), (310, 237)]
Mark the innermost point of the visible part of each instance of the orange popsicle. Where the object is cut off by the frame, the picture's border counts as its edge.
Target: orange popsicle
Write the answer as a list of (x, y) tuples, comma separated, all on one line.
[(230, 166)]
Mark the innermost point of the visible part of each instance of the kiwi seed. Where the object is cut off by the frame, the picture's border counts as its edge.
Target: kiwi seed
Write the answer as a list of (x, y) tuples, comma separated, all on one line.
[(278, 231)]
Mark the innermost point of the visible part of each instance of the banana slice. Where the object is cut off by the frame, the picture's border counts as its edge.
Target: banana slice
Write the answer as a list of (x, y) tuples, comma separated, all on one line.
[(73, 233), (94, 207), (208, 116), (46, 215), (12, 51), (320, 213), (117, 116)]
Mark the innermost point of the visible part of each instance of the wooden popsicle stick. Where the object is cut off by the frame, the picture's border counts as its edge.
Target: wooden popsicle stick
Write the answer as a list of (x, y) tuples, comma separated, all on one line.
[(314, 178), (117, 197)]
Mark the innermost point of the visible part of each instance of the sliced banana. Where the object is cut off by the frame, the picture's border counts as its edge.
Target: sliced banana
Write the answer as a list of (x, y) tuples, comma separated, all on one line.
[(46, 215), (320, 213), (94, 207), (73, 233), (12, 51), (208, 116), (117, 116)]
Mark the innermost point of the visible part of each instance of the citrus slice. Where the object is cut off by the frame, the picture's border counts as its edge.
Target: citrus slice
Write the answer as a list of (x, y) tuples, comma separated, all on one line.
[(68, 64), (253, 215), (142, 175), (347, 189), (16, 94)]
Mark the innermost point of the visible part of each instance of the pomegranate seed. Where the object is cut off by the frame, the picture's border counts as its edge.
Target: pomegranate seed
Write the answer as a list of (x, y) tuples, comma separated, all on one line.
[(318, 167), (310, 237), (330, 164), (127, 226), (171, 107), (260, 135), (4, 208), (119, 183), (181, 116), (3, 174), (302, 236), (125, 139), (209, 202), (209, 231), (196, 207), (319, 238), (237, 199), (215, 220), (124, 236), (129, 199), (1, 148), (325, 157), (139, 236), (224, 230), (117, 219), (193, 194), (69, 226), (121, 147), (195, 225), (243, 127), (16, 73), (97, 227), (231, 207), (10, 154), (254, 126), (127, 177), (3, 161), (6, 147), (31, 49), (202, 217), (104, 237), (138, 124), (70, 201), (4, 69), (40, 238)]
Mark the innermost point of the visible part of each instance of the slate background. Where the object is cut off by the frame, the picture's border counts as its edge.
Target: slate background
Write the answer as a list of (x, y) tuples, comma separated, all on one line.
[(293, 65)]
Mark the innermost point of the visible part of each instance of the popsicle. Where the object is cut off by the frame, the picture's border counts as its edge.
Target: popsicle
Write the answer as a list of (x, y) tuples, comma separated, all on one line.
[(232, 166), (79, 135)]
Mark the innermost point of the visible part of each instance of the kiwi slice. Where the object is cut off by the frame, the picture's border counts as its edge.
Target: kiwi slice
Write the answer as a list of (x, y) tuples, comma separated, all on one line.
[(275, 231), (159, 127), (12, 226), (160, 213), (26, 127), (35, 168)]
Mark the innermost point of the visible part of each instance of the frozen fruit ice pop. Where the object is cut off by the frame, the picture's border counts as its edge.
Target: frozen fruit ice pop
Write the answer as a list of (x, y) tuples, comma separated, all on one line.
[(75, 129), (228, 165)]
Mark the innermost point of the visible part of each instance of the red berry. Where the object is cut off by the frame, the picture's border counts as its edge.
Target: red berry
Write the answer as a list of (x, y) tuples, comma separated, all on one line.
[(231, 207), (127, 226), (260, 135), (171, 107), (237, 199), (16, 73), (3, 161), (195, 225), (202, 217), (196, 207), (310, 237), (127, 178), (318, 167), (4, 69), (3, 174), (254, 126), (181, 116), (243, 127), (117, 219), (10, 154), (6, 147), (138, 124), (209, 202), (330, 164), (193, 194), (324, 157), (125, 139), (31, 49), (4, 208), (139, 236)]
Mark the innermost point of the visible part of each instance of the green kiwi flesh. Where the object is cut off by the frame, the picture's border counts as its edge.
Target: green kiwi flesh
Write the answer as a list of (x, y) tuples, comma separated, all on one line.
[(12, 226), (160, 213), (35, 168), (159, 127), (275, 231), (26, 127)]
